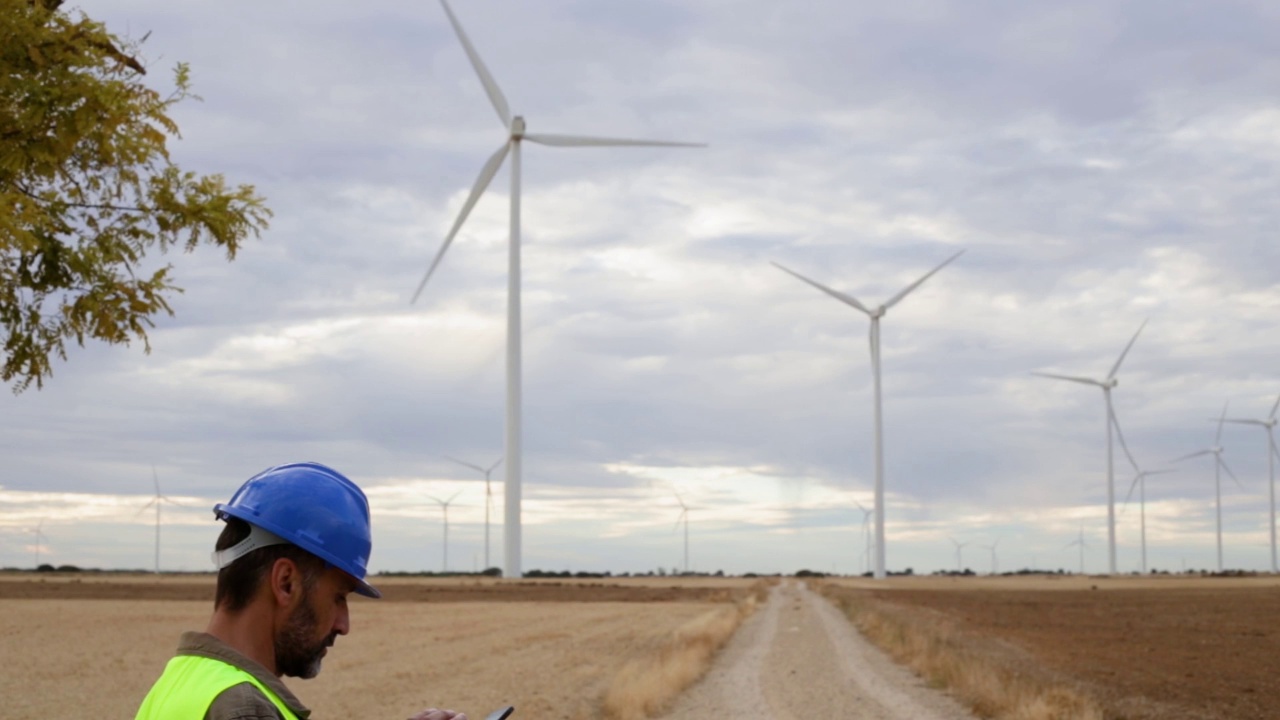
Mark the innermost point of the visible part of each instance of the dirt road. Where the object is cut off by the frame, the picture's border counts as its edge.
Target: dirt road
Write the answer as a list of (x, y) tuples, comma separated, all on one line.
[(798, 657)]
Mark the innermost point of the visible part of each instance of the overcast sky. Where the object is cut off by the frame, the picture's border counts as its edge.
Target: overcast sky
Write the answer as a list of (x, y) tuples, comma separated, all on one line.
[(1102, 163)]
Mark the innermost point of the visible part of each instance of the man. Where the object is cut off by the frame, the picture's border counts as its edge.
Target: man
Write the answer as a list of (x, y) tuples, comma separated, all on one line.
[(296, 544)]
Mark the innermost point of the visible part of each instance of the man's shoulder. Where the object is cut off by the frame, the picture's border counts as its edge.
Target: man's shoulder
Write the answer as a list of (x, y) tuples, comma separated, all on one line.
[(242, 702)]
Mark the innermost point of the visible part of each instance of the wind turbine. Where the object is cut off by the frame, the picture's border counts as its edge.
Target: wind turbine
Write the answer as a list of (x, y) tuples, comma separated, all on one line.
[(684, 515), (516, 134), (995, 565), (1218, 464), (1080, 541), (1140, 482), (1107, 384), (39, 531), (157, 501), (875, 315), (444, 505), (488, 499), (866, 537), (1272, 452), (959, 556)]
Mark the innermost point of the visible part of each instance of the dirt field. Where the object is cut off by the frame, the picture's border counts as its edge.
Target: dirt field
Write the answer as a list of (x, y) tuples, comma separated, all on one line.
[(550, 649), (1161, 648)]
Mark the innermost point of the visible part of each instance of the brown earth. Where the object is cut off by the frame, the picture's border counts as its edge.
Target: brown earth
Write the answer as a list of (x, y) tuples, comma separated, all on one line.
[(1200, 649), (90, 644), (34, 587)]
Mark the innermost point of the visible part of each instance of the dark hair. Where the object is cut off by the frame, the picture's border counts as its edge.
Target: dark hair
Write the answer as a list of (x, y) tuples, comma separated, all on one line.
[(238, 581)]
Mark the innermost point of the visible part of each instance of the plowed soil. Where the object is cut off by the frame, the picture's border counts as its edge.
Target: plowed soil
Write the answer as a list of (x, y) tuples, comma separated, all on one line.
[(1174, 651)]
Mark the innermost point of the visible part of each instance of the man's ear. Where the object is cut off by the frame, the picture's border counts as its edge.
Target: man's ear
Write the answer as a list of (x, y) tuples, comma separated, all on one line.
[(285, 582)]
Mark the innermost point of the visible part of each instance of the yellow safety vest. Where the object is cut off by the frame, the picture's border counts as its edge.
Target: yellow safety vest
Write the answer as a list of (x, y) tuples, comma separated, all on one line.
[(189, 686)]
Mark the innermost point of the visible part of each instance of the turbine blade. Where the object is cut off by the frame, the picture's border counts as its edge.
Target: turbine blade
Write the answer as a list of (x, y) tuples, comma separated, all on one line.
[(1115, 422), (1132, 485), (486, 175), (678, 498), (490, 85), (1192, 455), (493, 466), (1223, 463), (907, 290), (583, 141), (1242, 421), (155, 478), (1116, 368), (145, 508), (464, 463), (451, 497), (846, 299), (1275, 407), (1069, 378), (1218, 438)]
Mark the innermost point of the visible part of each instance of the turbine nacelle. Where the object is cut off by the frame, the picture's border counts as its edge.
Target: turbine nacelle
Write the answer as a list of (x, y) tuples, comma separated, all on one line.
[(517, 127)]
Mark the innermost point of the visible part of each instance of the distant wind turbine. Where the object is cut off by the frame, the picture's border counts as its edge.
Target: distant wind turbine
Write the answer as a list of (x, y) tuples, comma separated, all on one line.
[(1107, 384), (159, 499), (867, 544), (488, 499), (959, 556), (1079, 541), (39, 531), (1218, 464), (1140, 482), (1272, 453), (444, 506), (875, 315), (684, 515), (995, 564), (516, 134)]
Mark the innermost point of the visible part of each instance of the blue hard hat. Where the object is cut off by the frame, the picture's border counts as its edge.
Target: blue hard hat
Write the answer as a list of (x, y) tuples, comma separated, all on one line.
[(314, 507)]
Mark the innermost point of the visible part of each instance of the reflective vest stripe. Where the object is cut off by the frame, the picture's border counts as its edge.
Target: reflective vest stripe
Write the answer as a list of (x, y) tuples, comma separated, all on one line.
[(191, 683)]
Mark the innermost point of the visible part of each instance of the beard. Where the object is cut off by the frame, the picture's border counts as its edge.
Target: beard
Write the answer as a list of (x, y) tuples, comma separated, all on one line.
[(297, 654)]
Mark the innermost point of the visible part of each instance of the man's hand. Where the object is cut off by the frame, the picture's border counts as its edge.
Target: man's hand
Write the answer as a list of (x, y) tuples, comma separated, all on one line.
[(436, 714)]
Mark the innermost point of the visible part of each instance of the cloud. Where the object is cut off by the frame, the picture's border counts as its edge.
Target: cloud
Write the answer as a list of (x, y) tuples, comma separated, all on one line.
[(1102, 166)]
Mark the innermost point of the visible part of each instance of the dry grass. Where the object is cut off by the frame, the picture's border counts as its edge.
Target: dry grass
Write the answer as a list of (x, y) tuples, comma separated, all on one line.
[(994, 679), (646, 686), (553, 661)]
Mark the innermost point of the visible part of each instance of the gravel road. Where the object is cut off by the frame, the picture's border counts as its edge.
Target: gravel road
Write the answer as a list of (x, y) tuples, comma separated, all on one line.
[(799, 657)]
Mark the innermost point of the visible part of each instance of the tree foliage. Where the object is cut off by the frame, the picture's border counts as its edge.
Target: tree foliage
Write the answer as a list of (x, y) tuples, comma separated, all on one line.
[(87, 190)]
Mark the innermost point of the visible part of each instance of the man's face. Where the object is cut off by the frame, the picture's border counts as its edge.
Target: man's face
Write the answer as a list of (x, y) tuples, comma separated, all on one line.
[(318, 619)]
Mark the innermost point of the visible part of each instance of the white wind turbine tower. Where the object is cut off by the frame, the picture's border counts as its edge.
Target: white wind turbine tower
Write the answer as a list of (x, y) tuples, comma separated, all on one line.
[(875, 315), (1107, 384), (488, 499), (1272, 453), (866, 537), (157, 501), (959, 555), (1218, 465), (1080, 541), (995, 564), (444, 506), (515, 127)]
